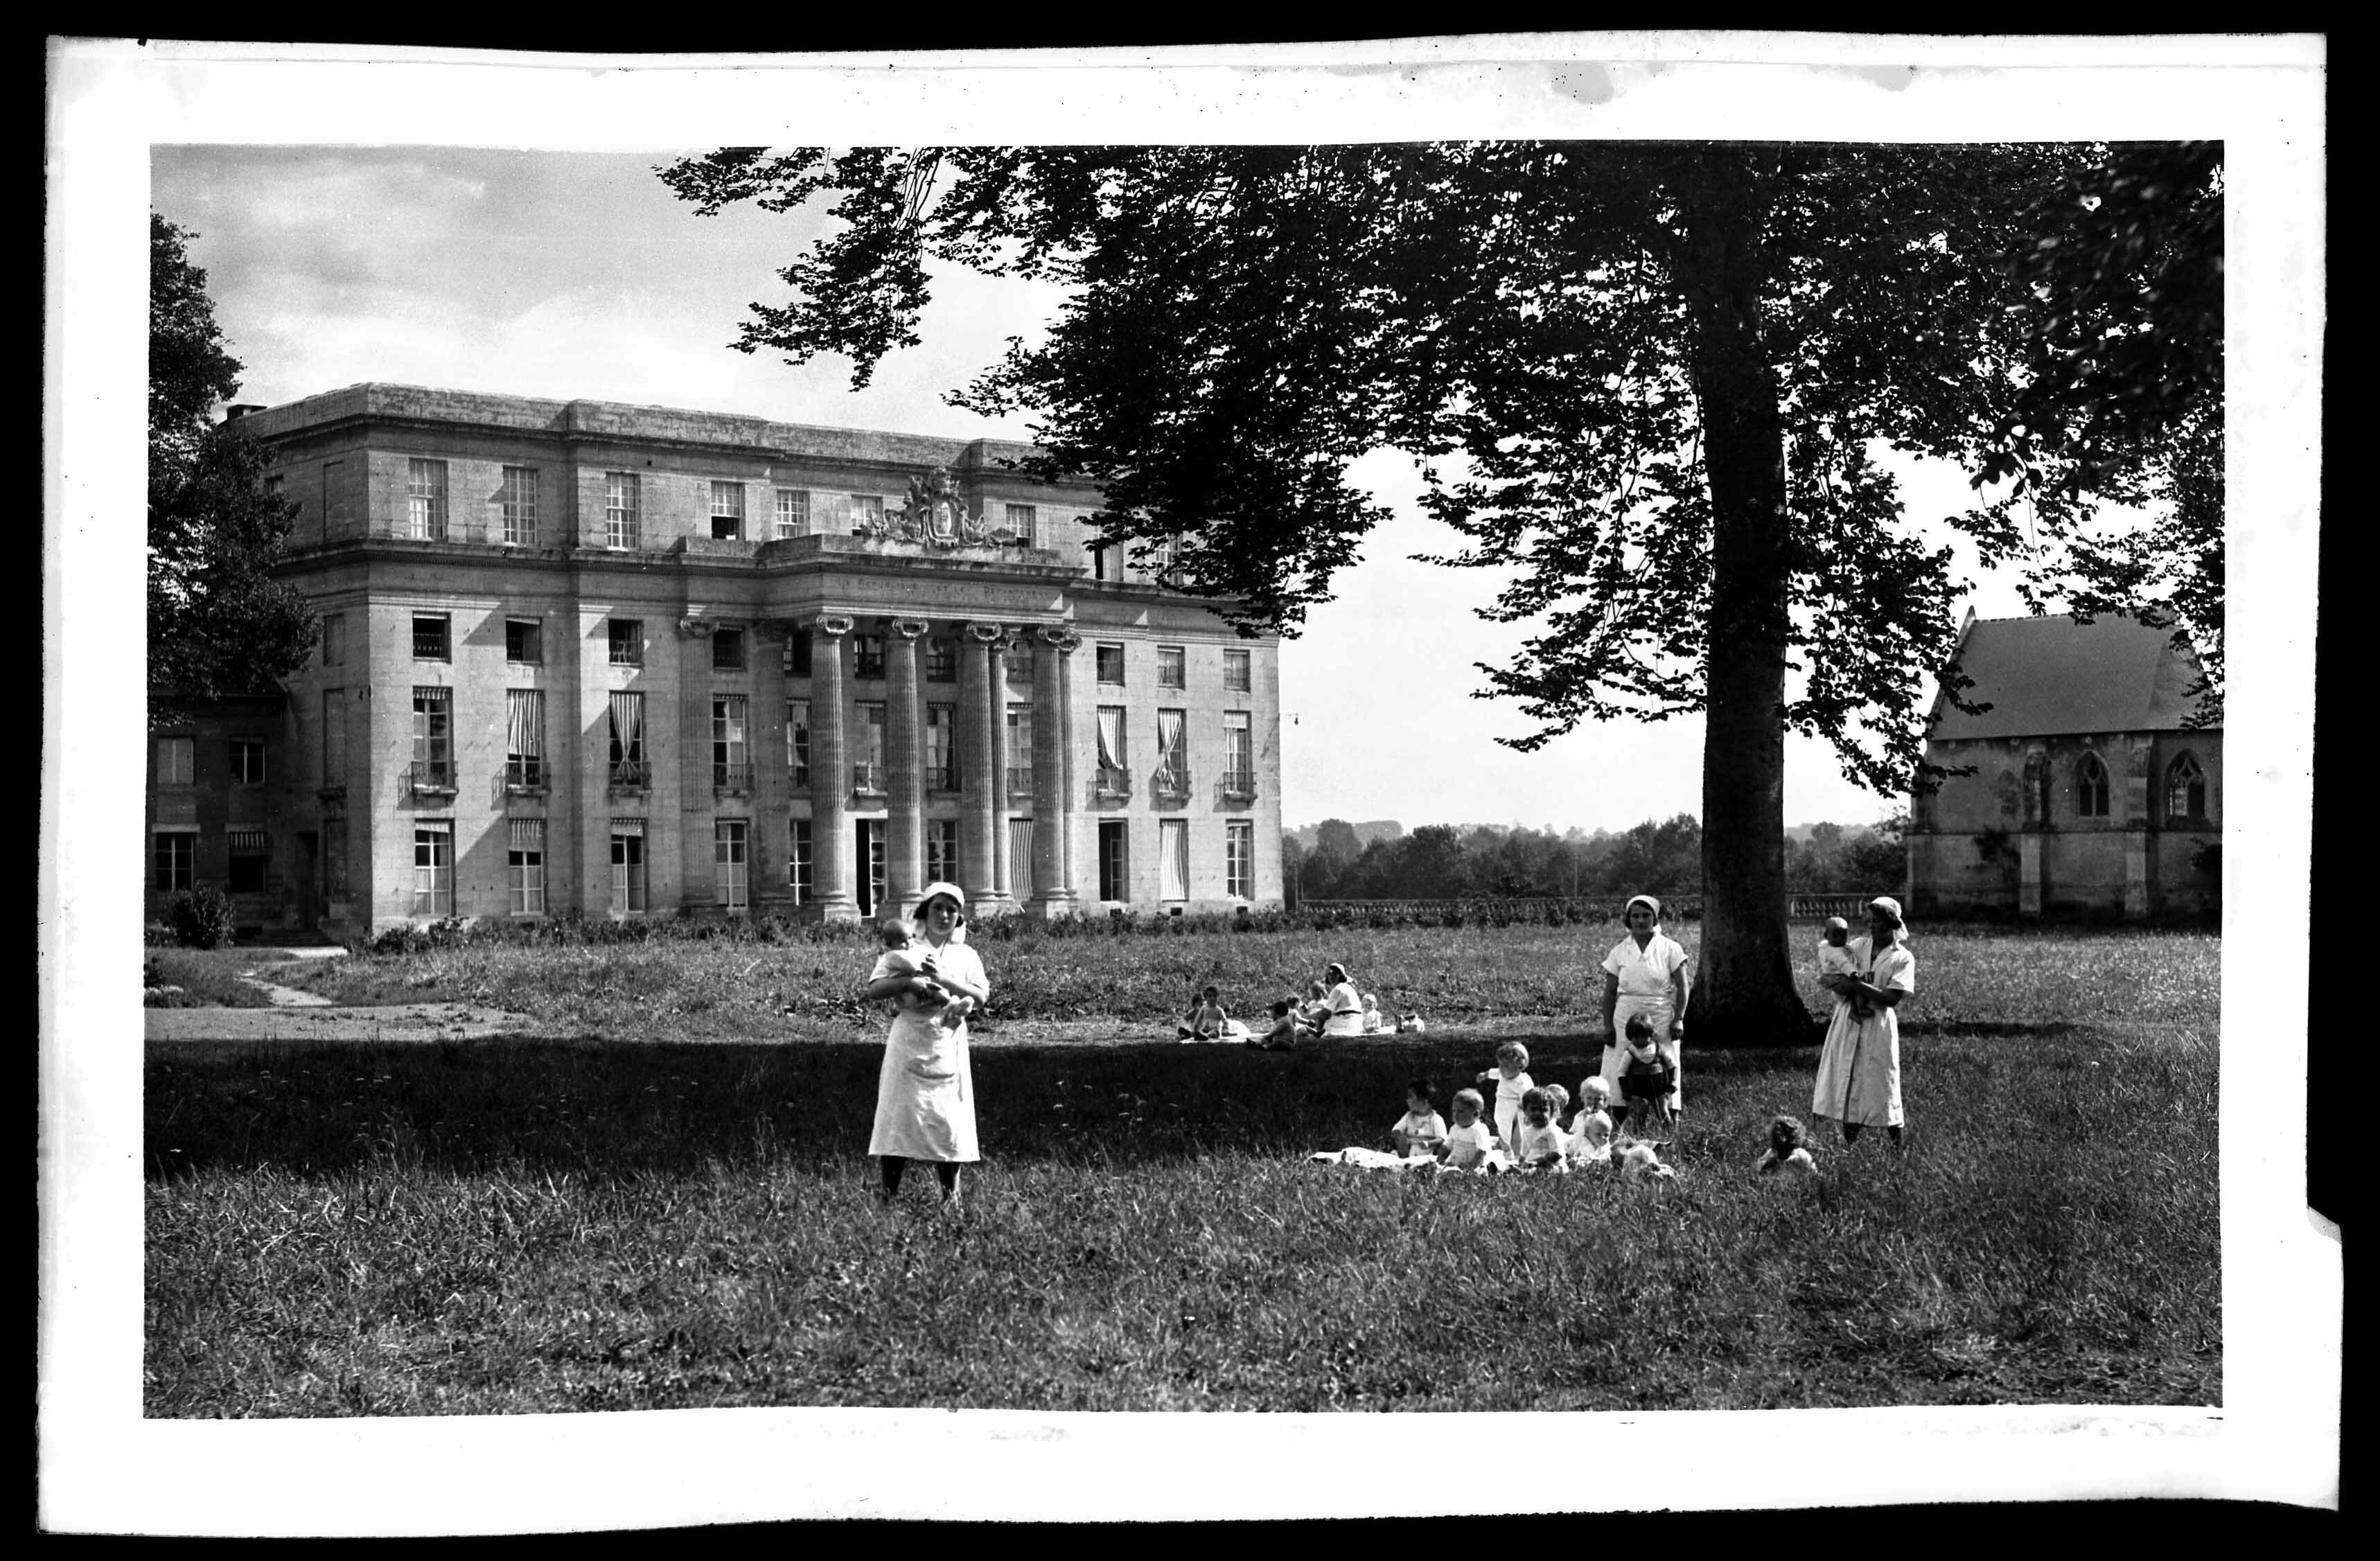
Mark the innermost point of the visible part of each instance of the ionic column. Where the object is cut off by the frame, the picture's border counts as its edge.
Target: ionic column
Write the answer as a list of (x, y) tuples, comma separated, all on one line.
[(1004, 870), (979, 717), (831, 845), (905, 846), (1053, 800)]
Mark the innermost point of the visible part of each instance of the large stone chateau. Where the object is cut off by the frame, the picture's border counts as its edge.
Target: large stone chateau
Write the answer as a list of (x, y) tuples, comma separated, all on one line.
[(627, 660)]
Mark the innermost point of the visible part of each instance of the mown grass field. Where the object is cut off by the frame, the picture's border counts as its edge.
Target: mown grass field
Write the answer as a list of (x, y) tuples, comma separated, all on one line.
[(639, 1219)]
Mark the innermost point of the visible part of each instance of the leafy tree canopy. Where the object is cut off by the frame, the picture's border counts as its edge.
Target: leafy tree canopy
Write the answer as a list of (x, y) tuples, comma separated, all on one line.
[(218, 623)]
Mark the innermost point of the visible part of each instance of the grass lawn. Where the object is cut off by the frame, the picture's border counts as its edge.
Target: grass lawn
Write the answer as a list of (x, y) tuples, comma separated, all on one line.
[(637, 1223), (206, 977)]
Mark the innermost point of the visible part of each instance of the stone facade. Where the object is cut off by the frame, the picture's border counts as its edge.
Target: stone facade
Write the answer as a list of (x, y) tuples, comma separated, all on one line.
[(2090, 794), (625, 660)]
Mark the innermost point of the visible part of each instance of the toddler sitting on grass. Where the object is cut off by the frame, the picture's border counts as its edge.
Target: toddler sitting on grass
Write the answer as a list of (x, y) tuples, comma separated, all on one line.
[(1786, 1155), (1410, 1022), (1283, 1035), (1421, 1130), (1467, 1143), (1541, 1142), (1590, 1131), (899, 960), (1206, 1018)]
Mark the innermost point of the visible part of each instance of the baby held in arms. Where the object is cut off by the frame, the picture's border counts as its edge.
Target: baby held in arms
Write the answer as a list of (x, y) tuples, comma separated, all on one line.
[(900, 959)]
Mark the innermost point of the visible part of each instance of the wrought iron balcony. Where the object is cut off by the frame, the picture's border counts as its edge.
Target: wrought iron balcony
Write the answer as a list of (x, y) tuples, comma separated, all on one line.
[(432, 775), (867, 776), (1173, 782), (629, 775), (1020, 780), (1113, 781), (1239, 783), (731, 776), (429, 646), (525, 772)]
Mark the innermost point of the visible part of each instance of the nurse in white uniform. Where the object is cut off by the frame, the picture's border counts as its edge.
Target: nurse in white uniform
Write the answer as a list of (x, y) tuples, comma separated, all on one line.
[(925, 1093), (1644, 972)]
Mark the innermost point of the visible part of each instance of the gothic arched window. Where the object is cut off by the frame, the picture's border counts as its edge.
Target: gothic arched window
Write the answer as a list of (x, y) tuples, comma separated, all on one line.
[(2185, 789), (2091, 787)]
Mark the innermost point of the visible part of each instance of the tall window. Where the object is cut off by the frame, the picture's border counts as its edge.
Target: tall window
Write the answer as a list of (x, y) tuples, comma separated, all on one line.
[(1173, 859), (517, 498), (628, 864), (797, 654), (727, 512), (728, 885), (627, 641), (1168, 558), (177, 761), (1020, 750), (334, 737), (430, 638), (1020, 520), (1173, 752), (2185, 789), (872, 868), (523, 737), (793, 513), (2091, 787), (1239, 755), (433, 738), (524, 640), (799, 869), (434, 867), (1115, 860), (868, 770), (1172, 667), (335, 859), (1235, 671), (727, 651), (177, 852), (797, 740), (334, 639), (942, 850), (622, 500), (731, 760), (867, 512), (425, 501), (1240, 858), (941, 660), (1110, 664), (1113, 777), (867, 657), (248, 761), (1019, 662), (525, 865), (1102, 560), (626, 721), (942, 749), (250, 851)]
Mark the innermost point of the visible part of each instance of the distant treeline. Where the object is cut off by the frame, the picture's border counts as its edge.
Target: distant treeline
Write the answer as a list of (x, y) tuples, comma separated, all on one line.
[(1659, 857)]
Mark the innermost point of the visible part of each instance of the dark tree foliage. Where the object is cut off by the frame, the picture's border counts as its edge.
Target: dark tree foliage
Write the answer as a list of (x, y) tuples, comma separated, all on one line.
[(218, 623), (1649, 377)]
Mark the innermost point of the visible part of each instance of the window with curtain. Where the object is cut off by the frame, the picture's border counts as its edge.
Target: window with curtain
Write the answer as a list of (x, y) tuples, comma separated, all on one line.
[(941, 747), (868, 769), (628, 864), (1113, 776), (1173, 751), (523, 737), (1173, 859), (250, 849), (797, 740), (1020, 750), (731, 759), (626, 719), (434, 867), (425, 499), (434, 747), (525, 865), (942, 850), (1239, 755), (1020, 858)]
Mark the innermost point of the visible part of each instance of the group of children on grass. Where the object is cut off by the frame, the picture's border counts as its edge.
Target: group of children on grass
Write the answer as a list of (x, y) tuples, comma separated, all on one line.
[(1526, 1132), (1292, 1020)]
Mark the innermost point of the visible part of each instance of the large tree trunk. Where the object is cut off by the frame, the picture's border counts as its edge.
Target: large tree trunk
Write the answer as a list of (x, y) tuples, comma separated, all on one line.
[(1743, 990)]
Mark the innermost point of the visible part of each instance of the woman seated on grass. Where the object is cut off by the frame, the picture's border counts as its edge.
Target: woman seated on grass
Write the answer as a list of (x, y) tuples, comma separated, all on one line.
[(1343, 1007)]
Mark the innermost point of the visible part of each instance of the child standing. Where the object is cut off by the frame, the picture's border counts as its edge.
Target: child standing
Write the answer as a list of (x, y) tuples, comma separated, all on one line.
[(1421, 1130), (1512, 1080), (1646, 1081), (1541, 1142), (1590, 1131), (1466, 1143), (1786, 1154)]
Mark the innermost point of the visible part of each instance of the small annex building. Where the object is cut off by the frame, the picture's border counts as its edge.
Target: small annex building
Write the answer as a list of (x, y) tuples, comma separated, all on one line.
[(2092, 791)]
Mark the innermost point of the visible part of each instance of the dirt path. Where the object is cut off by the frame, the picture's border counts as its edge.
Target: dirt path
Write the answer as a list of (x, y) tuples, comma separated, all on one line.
[(394, 1024)]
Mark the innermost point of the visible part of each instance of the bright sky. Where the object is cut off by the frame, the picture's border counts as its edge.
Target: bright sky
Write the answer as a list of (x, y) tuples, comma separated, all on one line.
[(577, 274)]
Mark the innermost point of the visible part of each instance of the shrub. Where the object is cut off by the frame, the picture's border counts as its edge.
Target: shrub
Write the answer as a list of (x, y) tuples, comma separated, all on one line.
[(201, 918)]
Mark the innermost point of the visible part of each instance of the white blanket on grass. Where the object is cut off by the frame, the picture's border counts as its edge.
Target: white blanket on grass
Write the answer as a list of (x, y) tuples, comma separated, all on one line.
[(1232, 1030), (1380, 1159)]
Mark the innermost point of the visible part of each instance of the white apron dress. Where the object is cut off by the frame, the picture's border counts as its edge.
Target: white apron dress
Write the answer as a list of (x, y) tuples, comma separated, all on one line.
[(1858, 1072), (925, 1095), (1644, 989), (1346, 1011)]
